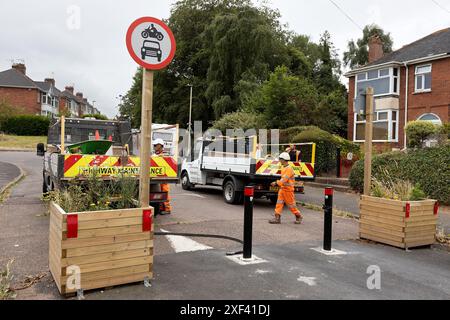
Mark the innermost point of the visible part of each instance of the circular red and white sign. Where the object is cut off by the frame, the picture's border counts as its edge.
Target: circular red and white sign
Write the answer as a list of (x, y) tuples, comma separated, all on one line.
[(151, 43)]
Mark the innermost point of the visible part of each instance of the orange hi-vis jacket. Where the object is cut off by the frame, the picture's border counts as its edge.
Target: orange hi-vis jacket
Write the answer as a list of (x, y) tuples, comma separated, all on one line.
[(287, 182)]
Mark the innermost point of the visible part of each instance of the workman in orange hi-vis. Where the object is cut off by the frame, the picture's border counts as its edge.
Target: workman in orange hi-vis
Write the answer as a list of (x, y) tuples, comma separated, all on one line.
[(165, 207), (286, 194)]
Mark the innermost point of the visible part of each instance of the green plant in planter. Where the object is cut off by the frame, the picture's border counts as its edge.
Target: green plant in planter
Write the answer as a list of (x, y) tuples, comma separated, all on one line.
[(96, 194), (396, 189)]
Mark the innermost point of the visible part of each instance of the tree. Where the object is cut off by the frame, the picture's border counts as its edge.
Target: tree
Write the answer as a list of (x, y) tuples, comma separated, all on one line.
[(357, 54), (287, 100), (328, 68), (418, 132), (219, 43), (334, 105)]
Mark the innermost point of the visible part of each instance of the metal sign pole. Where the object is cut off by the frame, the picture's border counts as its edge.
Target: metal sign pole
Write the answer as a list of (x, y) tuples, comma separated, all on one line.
[(146, 137)]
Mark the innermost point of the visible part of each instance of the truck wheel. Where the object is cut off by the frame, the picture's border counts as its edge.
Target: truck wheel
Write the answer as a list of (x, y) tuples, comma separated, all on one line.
[(230, 195), (44, 186), (185, 183)]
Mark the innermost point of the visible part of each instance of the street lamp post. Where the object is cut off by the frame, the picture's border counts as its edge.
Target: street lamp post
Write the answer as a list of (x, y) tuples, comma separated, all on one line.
[(190, 121)]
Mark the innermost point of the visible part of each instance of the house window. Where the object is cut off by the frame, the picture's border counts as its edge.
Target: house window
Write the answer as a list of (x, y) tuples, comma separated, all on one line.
[(385, 127), (430, 117), (383, 81), (423, 78)]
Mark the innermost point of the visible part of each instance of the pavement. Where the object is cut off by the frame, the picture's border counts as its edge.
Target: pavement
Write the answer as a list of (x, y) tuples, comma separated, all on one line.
[(196, 268)]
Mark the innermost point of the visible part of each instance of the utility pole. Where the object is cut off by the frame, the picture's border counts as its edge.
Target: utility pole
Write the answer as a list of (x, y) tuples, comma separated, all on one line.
[(190, 121), (146, 137), (368, 142)]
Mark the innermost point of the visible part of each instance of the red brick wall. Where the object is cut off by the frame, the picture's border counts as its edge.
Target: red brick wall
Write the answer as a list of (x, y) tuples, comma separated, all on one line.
[(26, 99), (438, 100)]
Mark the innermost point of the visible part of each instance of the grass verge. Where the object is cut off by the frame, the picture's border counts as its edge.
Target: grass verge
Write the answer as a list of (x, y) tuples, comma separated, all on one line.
[(6, 277), (20, 142)]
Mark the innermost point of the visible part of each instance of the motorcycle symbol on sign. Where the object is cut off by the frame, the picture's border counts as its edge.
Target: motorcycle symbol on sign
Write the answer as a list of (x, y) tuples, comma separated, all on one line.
[(152, 33)]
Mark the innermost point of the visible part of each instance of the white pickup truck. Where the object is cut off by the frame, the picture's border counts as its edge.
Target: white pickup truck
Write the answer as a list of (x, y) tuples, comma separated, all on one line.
[(242, 166)]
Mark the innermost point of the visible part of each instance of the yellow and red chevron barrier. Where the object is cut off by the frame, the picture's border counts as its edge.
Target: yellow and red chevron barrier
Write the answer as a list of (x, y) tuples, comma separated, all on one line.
[(76, 165), (273, 168)]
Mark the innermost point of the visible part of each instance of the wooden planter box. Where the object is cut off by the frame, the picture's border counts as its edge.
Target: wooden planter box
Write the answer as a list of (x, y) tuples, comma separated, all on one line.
[(110, 248), (403, 224)]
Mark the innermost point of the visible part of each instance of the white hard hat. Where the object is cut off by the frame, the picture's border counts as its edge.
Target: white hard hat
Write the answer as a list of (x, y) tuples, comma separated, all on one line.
[(285, 156), (158, 141)]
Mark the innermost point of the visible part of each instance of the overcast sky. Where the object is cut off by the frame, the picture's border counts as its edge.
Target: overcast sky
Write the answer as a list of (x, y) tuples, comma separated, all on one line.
[(93, 56)]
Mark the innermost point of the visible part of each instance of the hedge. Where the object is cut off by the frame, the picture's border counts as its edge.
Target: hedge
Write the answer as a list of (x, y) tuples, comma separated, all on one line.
[(25, 125), (430, 168), (327, 145)]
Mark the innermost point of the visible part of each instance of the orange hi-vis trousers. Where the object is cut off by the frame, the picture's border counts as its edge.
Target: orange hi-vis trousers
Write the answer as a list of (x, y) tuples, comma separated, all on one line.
[(288, 199), (165, 187), (286, 194)]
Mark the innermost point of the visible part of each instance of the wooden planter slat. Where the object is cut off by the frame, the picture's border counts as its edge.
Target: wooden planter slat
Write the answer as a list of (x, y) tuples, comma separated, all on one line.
[(77, 252), (90, 242), (387, 221), (109, 256), (82, 234), (110, 248)]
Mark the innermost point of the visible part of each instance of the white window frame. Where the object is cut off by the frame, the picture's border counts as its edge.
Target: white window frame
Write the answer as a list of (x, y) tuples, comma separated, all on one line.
[(390, 122), (391, 81), (416, 74), (438, 121)]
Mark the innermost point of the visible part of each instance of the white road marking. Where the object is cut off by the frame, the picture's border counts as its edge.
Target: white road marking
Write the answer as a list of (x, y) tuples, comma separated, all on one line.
[(239, 259), (259, 271), (333, 252), (310, 281), (184, 244), (191, 195)]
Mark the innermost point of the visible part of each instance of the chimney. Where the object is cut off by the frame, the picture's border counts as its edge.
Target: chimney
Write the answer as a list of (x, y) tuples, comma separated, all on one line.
[(51, 81), (375, 49), (70, 89), (79, 95), (20, 67)]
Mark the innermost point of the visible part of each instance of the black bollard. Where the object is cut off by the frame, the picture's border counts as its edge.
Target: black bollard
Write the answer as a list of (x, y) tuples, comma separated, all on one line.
[(328, 221), (249, 193)]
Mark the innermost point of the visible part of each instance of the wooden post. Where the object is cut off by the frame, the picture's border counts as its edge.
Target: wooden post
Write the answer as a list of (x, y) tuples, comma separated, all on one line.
[(368, 142), (146, 137), (63, 134)]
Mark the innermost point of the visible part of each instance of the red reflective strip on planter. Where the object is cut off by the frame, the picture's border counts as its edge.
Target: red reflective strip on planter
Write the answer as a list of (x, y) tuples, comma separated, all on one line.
[(146, 220), (436, 208), (329, 191), (72, 226), (408, 210), (249, 191)]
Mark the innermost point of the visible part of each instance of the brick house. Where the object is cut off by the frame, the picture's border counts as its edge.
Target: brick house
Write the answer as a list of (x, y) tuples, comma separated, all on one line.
[(412, 83), (39, 97), (18, 90), (70, 103)]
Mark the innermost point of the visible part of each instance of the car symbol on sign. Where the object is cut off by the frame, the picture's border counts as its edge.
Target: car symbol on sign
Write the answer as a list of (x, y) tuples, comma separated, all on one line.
[(151, 49)]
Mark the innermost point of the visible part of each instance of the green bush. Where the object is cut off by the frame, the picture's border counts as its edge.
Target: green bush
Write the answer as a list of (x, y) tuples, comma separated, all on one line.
[(418, 132), (25, 125), (239, 120), (327, 145), (427, 167), (96, 116)]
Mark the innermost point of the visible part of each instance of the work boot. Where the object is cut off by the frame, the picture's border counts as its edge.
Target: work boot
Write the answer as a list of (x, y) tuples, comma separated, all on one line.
[(276, 220), (298, 219)]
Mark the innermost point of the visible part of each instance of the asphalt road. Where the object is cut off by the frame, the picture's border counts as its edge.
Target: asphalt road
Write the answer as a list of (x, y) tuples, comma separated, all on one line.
[(180, 263), (8, 172)]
